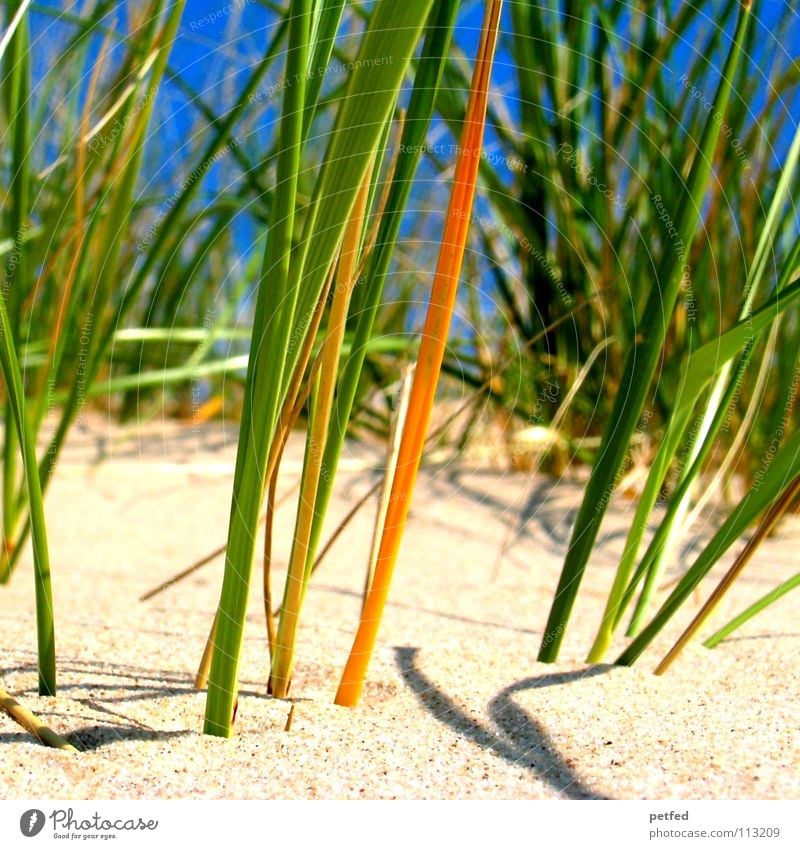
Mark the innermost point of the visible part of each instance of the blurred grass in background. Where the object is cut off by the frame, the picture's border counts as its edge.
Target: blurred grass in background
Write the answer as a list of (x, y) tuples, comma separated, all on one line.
[(593, 119)]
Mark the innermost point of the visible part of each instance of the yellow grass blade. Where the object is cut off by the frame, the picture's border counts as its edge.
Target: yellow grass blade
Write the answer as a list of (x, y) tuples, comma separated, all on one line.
[(431, 354), (30, 722), (297, 578)]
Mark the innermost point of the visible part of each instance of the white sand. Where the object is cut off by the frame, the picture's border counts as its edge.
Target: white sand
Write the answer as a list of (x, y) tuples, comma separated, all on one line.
[(456, 705)]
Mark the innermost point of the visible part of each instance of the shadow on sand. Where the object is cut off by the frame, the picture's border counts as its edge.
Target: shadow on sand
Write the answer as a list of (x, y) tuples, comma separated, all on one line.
[(519, 739)]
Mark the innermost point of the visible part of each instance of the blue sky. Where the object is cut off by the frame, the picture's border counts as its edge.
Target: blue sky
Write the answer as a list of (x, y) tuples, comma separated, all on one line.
[(219, 40)]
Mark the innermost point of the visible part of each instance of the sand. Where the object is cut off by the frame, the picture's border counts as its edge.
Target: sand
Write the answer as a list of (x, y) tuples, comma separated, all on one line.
[(456, 705)]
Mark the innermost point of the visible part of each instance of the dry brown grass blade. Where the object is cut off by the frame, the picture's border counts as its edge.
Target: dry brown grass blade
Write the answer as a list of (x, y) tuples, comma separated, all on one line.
[(771, 518)]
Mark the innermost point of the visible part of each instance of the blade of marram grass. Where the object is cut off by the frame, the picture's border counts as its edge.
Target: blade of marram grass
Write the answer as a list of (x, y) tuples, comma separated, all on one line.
[(674, 523), (17, 430), (767, 524), (429, 363), (646, 570), (16, 91), (279, 330), (703, 368), (298, 574), (753, 610), (749, 420), (719, 390), (31, 722), (415, 126), (323, 39), (641, 362), (771, 481), (13, 24), (272, 327), (337, 179)]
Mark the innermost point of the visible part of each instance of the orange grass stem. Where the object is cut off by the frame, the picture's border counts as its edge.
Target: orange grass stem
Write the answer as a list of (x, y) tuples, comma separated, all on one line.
[(431, 354)]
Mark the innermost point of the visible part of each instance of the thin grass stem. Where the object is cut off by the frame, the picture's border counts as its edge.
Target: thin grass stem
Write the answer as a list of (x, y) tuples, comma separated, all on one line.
[(767, 524), (429, 363)]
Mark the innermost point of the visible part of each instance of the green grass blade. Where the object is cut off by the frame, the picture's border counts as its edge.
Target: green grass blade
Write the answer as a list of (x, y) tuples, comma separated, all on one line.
[(754, 609), (45, 628), (280, 327), (17, 431), (16, 283), (649, 566), (641, 362), (272, 328), (720, 390), (771, 480), (13, 24), (700, 370), (323, 41)]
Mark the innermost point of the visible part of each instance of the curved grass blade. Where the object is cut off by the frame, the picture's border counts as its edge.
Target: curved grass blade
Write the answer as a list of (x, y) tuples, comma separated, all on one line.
[(700, 370), (648, 566), (641, 361), (722, 388)]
